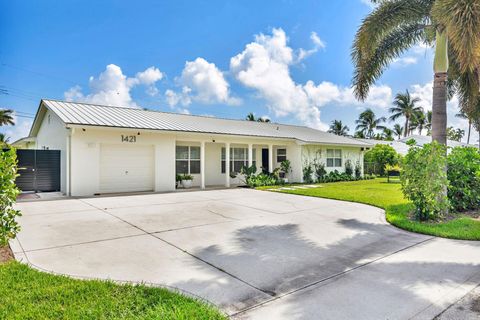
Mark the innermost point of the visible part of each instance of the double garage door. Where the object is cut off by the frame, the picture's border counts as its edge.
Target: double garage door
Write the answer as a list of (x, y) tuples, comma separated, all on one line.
[(126, 168)]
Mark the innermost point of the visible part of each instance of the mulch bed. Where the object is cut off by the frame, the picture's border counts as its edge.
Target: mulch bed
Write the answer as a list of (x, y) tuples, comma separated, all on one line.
[(5, 254)]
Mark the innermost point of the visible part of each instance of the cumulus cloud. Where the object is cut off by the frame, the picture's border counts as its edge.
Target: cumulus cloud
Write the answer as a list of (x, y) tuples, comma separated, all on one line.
[(264, 66), (201, 82), (19, 130), (112, 87)]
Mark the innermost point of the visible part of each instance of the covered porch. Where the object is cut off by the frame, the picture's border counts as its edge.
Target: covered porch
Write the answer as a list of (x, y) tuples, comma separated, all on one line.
[(211, 162)]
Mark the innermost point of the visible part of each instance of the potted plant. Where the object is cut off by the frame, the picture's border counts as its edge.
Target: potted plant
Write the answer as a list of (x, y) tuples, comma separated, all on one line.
[(286, 168), (178, 180), (187, 181)]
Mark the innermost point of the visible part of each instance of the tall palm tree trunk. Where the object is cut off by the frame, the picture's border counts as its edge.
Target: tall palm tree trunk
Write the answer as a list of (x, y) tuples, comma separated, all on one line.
[(439, 105), (406, 127), (439, 108), (469, 130)]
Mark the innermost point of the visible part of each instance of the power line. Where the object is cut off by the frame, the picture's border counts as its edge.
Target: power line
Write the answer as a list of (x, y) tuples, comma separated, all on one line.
[(42, 74)]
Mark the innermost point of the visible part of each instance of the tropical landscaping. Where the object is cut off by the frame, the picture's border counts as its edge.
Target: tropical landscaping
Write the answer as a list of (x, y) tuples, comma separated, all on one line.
[(389, 196)]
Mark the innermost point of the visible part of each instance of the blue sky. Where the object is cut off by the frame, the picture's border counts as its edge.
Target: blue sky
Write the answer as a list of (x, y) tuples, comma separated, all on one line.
[(288, 60)]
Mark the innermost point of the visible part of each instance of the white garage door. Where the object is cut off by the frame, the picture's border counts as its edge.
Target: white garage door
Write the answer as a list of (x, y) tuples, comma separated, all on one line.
[(126, 168)]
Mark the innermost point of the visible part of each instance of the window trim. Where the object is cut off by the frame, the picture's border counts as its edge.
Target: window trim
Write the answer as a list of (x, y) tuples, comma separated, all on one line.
[(223, 154), (334, 158), (281, 155), (189, 159)]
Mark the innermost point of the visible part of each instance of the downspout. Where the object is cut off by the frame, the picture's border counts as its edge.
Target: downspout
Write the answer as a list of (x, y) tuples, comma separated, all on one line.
[(69, 161)]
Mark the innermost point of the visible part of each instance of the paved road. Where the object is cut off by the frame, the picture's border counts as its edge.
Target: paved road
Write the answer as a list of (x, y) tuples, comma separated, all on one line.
[(257, 255)]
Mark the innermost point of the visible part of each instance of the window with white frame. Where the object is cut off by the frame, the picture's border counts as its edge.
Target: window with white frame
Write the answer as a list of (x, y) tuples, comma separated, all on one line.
[(281, 155), (187, 160), (334, 158), (238, 159)]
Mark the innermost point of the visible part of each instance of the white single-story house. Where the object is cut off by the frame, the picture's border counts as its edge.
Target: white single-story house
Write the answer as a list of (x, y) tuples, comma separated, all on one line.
[(108, 149)]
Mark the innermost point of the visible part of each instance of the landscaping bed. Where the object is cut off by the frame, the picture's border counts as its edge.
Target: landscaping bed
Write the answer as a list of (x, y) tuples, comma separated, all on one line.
[(389, 197), (26, 293)]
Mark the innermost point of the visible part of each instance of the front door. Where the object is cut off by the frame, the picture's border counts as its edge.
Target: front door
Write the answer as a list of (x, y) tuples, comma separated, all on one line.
[(265, 167)]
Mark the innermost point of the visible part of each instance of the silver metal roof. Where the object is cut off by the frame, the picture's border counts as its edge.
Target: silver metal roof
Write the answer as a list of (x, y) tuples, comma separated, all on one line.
[(110, 116)]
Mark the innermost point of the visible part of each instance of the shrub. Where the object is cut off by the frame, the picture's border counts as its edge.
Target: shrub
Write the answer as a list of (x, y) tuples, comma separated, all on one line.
[(349, 168), (8, 194), (307, 173), (286, 167), (380, 156), (464, 176), (424, 180), (320, 171), (358, 170)]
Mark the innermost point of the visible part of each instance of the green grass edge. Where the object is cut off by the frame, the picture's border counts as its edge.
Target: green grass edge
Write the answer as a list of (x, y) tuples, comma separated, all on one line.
[(397, 214)]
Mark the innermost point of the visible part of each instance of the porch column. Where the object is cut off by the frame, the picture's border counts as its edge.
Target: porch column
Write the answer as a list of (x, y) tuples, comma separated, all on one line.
[(227, 164), (250, 155), (202, 164), (270, 157)]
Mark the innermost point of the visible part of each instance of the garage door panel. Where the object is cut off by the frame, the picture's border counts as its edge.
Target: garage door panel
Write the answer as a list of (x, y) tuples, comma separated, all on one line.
[(126, 168)]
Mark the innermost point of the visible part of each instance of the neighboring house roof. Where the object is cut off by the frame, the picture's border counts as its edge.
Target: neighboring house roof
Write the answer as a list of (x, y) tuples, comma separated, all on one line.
[(110, 116), (23, 140), (401, 145)]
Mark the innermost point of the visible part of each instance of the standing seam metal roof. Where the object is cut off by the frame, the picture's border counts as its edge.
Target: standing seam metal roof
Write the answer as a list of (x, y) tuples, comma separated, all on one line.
[(111, 116)]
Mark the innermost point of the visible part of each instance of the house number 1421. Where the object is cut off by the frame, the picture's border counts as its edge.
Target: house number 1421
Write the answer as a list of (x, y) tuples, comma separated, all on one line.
[(129, 138)]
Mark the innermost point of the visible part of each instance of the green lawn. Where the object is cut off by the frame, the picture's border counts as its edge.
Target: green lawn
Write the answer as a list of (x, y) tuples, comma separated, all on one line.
[(388, 196), (29, 294)]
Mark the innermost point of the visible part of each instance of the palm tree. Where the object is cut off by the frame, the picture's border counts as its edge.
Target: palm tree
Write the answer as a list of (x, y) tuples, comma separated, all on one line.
[(3, 139), (6, 117), (419, 121), (367, 123), (428, 122), (463, 115), (250, 117), (404, 106), (338, 128), (398, 130), (387, 134), (394, 26)]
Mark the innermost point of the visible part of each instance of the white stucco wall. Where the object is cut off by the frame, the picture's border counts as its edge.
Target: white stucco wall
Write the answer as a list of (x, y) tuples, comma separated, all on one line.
[(85, 157), (52, 135), (312, 153)]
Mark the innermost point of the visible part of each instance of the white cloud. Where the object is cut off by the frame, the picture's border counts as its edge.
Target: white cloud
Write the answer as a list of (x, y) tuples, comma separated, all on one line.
[(318, 44), (201, 82), (19, 130), (405, 61), (112, 87), (264, 66)]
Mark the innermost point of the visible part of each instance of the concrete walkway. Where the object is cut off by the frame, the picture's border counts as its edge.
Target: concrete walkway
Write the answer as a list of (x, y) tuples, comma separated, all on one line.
[(257, 255)]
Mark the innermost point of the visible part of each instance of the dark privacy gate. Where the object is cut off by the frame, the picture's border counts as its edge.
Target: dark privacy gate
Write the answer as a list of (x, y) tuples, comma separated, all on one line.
[(39, 170)]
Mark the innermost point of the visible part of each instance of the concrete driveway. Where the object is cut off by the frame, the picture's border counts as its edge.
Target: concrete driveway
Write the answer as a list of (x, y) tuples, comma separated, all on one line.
[(259, 255)]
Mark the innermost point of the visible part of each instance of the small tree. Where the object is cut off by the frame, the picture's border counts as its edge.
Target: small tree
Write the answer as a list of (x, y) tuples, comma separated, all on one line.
[(8, 195), (381, 155), (286, 167), (358, 170), (349, 168), (320, 171), (424, 179), (307, 173)]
